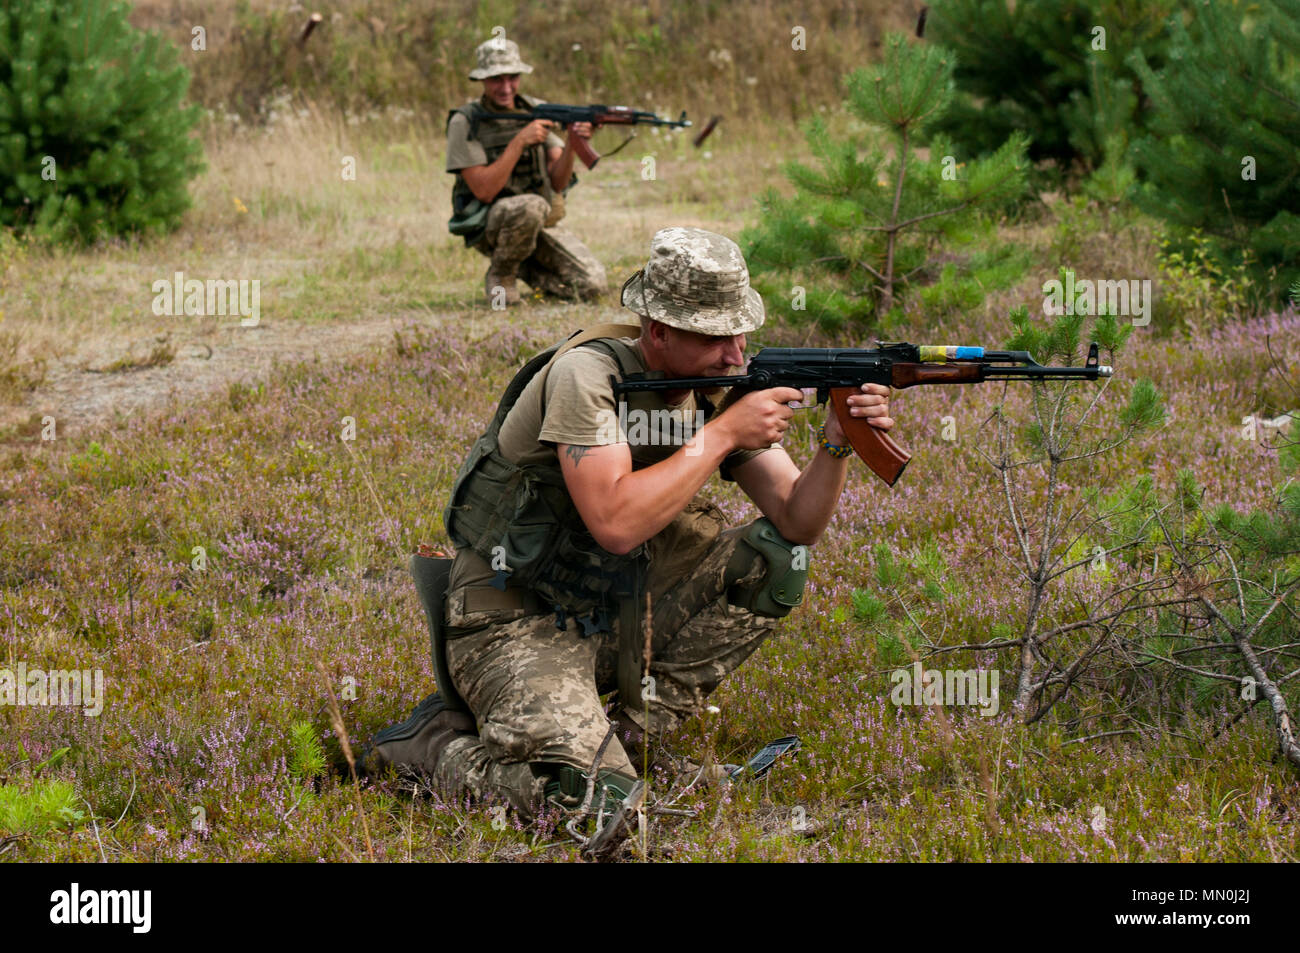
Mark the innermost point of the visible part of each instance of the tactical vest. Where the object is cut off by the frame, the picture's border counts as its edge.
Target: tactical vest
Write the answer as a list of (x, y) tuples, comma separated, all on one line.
[(522, 521), (529, 174)]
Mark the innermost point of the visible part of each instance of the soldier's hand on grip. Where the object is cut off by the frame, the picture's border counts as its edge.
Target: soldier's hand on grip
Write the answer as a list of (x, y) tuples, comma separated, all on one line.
[(761, 418), (535, 132)]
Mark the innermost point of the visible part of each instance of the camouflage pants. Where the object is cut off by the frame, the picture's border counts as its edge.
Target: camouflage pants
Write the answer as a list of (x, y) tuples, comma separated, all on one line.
[(552, 260), (535, 690)]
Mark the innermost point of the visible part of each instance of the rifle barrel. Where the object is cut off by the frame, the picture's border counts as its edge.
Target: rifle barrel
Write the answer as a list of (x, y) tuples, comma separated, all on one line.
[(1082, 373), (681, 383)]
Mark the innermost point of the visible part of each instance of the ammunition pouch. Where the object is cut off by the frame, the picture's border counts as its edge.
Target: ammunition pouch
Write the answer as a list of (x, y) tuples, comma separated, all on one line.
[(522, 522), (781, 588)]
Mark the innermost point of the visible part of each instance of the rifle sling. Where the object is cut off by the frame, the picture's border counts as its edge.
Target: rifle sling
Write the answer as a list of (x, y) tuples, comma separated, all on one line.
[(629, 650)]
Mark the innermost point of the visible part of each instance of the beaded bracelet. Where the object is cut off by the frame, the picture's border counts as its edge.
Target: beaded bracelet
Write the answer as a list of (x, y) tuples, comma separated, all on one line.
[(839, 453)]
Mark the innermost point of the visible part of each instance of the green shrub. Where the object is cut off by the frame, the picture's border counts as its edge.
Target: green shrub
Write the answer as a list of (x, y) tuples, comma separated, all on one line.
[(306, 756), (93, 139), (867, 606), (1036, 67), (1198, 291), (864, 229), (1220, 155), (45, 806)]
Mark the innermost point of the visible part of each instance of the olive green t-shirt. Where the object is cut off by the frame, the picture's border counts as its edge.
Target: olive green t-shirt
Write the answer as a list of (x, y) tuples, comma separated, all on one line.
[(464, 152), (578, 408)]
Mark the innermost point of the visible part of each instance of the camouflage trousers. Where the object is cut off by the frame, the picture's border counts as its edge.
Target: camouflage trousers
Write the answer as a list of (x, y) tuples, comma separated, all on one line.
[(552, 260), (535, 690)]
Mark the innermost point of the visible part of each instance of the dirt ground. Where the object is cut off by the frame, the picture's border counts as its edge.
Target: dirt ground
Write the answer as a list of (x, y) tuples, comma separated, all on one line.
[(84, 395)]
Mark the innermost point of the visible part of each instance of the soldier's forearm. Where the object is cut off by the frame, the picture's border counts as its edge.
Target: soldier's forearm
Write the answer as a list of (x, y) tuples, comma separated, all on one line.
[(642, 502), (812, 500), (561, 170), (487, 181)]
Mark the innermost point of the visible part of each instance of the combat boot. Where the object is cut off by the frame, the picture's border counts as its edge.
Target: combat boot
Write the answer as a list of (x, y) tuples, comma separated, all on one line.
[(498, 276), (414, 745)]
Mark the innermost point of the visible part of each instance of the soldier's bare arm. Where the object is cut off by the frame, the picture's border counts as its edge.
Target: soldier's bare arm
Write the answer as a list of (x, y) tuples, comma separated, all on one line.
[(800, 504), (559, 162), (622, 507), (485, 181)]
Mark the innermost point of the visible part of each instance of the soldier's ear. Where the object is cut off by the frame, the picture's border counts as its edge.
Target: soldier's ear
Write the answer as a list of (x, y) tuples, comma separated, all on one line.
[(661, 333)]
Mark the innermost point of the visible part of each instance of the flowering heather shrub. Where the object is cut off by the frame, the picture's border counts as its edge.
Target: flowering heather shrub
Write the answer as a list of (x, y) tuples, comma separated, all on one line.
[(207, 672)]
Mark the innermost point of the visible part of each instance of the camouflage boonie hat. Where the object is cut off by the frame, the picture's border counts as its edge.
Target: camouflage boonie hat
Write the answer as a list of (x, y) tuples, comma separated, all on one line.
[(696, 281), (497, 57)]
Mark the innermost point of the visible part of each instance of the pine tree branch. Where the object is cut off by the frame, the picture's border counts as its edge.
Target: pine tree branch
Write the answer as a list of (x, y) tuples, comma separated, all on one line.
[(1280, 95), (921, 267), (875, 274), (1241, 637), (919, 218)]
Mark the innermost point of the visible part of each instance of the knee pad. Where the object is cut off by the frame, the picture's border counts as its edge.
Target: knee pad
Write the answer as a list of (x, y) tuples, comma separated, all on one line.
[(781, 587), (568, 785)]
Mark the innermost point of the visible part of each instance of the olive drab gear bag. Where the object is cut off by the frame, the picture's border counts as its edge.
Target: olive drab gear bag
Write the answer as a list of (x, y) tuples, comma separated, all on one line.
[(523, 523)]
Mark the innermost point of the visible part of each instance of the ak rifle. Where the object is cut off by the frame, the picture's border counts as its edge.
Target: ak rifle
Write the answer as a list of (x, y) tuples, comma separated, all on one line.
[(596, 115), (836, 373)]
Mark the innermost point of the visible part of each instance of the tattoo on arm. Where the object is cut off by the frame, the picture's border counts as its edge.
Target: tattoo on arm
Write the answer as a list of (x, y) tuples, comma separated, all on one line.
[(576, 453)]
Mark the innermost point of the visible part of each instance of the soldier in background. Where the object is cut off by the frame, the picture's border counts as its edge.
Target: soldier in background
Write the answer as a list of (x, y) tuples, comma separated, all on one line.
[(530, 663), (511, 180)]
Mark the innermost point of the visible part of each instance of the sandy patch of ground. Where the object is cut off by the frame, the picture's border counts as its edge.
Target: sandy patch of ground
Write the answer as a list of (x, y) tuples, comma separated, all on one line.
[(87, 394)]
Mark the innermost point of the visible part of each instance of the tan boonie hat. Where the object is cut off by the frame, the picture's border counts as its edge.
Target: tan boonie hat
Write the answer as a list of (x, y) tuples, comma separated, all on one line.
[(696, 281), (497, 57)]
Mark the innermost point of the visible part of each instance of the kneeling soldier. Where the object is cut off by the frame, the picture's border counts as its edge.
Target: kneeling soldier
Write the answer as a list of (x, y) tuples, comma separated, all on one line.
[(568, 527), (511, 180)]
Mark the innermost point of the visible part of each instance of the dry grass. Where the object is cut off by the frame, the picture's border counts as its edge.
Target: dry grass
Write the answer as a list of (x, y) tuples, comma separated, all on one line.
[(739, 59), (333, 254), (340, 261)]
